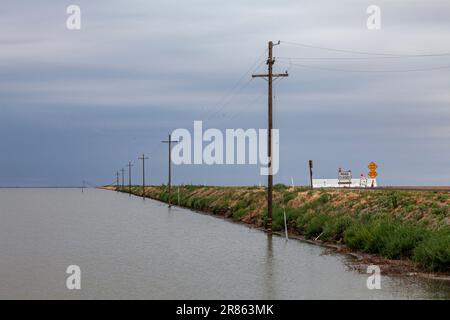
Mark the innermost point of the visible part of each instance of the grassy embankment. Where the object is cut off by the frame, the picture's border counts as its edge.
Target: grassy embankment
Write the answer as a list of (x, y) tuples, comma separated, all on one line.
[(411, 225)]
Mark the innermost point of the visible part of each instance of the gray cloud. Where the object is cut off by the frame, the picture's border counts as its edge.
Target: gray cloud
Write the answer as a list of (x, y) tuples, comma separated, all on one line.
[(139, 69)]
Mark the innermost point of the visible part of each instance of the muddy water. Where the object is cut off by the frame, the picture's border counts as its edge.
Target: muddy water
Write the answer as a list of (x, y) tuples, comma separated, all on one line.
[(134, 249)]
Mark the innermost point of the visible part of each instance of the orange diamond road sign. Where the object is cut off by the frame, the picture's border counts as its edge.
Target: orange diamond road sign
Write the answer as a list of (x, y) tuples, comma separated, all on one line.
[(372, 166)]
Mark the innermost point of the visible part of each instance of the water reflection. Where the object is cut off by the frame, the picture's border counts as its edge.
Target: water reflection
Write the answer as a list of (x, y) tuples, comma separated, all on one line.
[(269, 269)]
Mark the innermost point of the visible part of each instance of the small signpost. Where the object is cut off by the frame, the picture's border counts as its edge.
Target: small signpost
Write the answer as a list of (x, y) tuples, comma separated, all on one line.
[(344, 177), (372, 173), (363, 181)]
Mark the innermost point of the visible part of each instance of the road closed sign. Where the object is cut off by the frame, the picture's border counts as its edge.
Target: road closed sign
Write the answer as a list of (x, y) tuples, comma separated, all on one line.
[(344, 177)]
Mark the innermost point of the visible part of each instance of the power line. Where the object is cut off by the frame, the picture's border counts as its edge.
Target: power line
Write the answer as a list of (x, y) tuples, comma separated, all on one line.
[(364, 52), (229, 101), (251, 104), (227, 98), (233, 115), (257, 99), (369, 71), (348, 58)]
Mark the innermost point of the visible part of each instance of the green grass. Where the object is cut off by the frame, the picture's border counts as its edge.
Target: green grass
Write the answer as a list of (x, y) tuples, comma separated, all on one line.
[(441, 211), (335, 228), (239, 213), (288, 196), (434, 251), (388, 237)]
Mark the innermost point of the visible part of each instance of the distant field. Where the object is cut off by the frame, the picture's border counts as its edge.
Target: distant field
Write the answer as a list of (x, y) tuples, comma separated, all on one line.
[(432, 188), (400, 188)]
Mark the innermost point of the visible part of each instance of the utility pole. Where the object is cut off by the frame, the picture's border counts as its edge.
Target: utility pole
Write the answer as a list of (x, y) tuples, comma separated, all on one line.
[(270, 75), (143, 158), (169, 142), (117, 180), (129, 177), (311, 173), (123, 178)]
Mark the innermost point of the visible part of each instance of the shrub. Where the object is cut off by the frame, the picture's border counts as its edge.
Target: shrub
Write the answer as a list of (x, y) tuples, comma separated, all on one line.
[(292, 215), (239, 213), (279, 187), (323, 199), (163, 196), (221, 209), (336, 227), (390, 199), (315, 225), (241, 204), (442, 198), (434, 251), (357, 236), (278, 219), (440, 211), (189, 202), (399, 240), (385, 236), (199, 203), (288, 196), (304, 218)]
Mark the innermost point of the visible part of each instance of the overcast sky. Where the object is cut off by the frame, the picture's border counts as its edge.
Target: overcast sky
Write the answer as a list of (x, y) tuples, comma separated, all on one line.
[(79, 105)]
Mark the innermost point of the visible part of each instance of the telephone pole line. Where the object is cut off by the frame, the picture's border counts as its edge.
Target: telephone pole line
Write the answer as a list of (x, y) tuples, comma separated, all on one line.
[(143, 158), (169, 142), (117, 180), (270, 75), (123, 178), (129, 177), (311, 173)]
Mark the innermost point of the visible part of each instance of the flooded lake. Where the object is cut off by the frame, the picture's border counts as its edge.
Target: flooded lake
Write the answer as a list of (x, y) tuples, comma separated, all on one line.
[(130, 248)]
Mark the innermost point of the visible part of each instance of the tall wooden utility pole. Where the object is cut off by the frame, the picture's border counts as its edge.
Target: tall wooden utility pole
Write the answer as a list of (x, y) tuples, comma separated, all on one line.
[(170, 141), (143, 158), (129, 177), (117, 180), (311, 173), (123, 178), (270, 75)]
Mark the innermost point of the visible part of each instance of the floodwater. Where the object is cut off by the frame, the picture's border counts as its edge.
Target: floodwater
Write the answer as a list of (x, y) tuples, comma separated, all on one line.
[(130, 248)]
